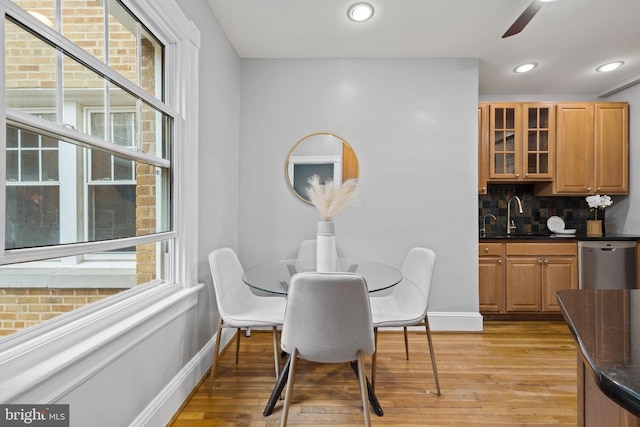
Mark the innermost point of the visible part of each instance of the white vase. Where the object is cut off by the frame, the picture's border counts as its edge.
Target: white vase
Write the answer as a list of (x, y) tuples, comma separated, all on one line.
[(326, 254)]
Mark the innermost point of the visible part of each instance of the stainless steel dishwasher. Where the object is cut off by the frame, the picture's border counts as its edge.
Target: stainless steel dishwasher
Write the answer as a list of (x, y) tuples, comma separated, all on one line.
[(607, 264)]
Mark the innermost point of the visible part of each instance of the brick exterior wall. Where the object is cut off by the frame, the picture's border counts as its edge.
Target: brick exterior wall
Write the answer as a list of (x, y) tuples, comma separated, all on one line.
[(146, 177), (21, 308), (30, 64)]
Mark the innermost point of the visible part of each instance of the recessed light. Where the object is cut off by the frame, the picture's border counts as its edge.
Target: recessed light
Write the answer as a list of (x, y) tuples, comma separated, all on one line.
[(360, 12), (610, 66), (525, 67)]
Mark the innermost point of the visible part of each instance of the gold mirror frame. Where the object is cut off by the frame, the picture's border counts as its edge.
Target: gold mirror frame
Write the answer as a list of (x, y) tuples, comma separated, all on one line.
[(336, 155)]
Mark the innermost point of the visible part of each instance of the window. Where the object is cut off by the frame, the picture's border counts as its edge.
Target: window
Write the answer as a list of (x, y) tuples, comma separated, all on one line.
[(87, 145), (111, 183), (31, 166)]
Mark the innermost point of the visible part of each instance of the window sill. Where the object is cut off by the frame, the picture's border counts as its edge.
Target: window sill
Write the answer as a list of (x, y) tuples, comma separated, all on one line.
[(86, 275), (48, 360)]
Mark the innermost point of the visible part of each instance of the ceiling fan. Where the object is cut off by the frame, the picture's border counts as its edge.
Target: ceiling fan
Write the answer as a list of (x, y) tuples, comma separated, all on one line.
[(525, 17)]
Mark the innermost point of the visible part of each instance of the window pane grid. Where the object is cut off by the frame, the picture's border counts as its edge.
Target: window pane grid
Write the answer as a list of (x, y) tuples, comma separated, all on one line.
[(30, 157), (123, 133)]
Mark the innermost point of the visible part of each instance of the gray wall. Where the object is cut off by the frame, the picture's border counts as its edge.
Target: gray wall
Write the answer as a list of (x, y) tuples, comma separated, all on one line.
[(413, 126), (624, 215), (218, 149)]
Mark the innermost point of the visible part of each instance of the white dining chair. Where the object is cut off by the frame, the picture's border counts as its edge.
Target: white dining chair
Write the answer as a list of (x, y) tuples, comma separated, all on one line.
[(307, 254), (407, 304), (306, 257), (327, 320), (238, 307)]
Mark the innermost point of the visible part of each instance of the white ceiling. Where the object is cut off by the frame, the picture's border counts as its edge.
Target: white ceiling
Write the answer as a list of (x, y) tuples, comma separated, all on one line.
[(567, 38)]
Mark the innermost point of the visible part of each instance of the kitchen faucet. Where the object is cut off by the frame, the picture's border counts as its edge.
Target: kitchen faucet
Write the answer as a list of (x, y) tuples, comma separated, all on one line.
[(483, 230), (510, 224)]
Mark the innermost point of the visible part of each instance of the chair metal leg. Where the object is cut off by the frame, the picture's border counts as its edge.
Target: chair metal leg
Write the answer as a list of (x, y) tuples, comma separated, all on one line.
[(374, 359), (406, 342), (216, 350), (363, 389), (238, 333), (289, 391), (275, 351), (432, 354)]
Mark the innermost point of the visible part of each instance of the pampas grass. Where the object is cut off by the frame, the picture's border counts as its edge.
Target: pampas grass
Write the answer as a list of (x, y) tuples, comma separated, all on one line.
[(330, 199)]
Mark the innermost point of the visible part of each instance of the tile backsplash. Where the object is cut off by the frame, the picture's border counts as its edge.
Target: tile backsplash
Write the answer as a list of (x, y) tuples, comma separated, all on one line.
[(537, 209)]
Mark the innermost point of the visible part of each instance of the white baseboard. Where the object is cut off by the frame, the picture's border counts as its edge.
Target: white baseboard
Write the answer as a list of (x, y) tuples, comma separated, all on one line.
[(455, 322), (450, 322), (165, 405)]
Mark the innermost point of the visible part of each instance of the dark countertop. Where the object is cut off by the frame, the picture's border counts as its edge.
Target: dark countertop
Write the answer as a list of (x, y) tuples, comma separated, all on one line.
[(556, 237), (606, 325)]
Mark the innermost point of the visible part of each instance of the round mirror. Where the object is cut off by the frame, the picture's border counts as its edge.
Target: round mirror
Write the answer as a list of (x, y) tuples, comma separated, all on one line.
[(323, 154)]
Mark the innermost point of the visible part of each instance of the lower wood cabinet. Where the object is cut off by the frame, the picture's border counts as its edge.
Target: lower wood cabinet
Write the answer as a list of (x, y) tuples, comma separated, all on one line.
[(525, 277), (595, 409), (491, 280)]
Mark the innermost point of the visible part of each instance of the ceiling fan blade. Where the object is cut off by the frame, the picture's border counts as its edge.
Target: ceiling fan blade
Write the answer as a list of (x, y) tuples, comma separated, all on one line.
[(524, 18)]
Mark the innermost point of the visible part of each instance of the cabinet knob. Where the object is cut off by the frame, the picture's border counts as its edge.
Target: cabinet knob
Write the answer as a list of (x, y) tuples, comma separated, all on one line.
[(588, 188), (598, 189), (546, 261), (517, 175), (526, 174), (539, 261), (499, 261)]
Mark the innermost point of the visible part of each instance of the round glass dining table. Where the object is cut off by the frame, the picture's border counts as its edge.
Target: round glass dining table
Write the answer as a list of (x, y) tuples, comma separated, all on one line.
[(274, 277)]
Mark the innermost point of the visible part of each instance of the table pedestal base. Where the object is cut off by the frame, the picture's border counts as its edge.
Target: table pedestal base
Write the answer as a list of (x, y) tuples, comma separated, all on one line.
[(282, 381)]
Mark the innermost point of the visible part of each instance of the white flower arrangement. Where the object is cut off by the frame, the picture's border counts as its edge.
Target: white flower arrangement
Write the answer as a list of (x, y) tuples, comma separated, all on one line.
[(330, 199), (598, 202)]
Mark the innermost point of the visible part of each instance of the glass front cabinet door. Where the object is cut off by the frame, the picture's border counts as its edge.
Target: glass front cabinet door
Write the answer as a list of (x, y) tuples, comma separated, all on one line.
[(521, 141)]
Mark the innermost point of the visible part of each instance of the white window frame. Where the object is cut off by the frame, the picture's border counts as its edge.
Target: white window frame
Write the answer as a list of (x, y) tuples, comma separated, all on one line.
[(94, 336)]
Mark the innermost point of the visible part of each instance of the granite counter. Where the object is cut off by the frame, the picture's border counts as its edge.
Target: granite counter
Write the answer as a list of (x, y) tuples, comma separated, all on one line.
[(549, 237), (606, 326)]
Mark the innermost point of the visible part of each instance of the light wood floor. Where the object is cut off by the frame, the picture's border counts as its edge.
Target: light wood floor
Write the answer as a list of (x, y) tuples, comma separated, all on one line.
[(512, 374)]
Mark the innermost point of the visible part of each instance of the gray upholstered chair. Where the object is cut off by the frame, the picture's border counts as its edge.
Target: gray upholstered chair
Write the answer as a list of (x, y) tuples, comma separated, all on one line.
[(239, 307), (327, 320), (407, 304)]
